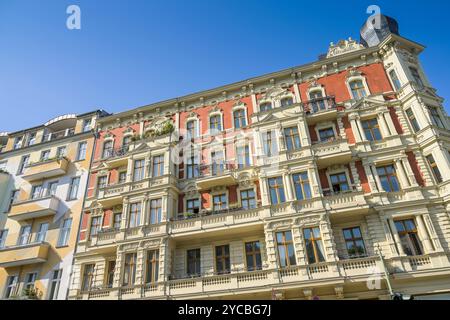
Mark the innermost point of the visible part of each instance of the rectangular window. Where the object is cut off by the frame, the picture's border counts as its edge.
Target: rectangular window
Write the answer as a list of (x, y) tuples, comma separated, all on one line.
[(416, 77), (30, 279), (158, 166), (64, 233), (193, 205), (11, 286), (220, 202), (191, 129), (110, 273), (42, 233), (31, 139), (317, 102), (135, 215), (285, 246), (302, 186), (239, 119), (395, 80), (81, 153), (215, 123), (23, 164), (73, 189), (54, 285), (412, 120), (339, 182), (354, 242), (51, 188), (138, 170), (12, 199), (155, 211), (108, 148), (193, 262), (276, 189), (36, 192), (95, 226), (435, 117), (18, 142), (326, 134), (223, 259), (409, 237), (253, 255), (358, 90), (269, 143), (292, 138), (243, 156), (248, 199), (217, 163), (3, 235), (129, 273), (265, 106), (61, 152), (88, 277), (371, 129), (434, 169), (87, 125), (102, 182), (117, 220), (122, 177), (24, 235), (45, 155), (152, 266), (314, 246), (192, 166), (388, 178)]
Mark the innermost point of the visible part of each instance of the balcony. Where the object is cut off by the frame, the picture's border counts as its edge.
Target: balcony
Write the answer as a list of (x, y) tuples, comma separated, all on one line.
[(320, 109), (34, 208), (116, 157), (345, 201), (58, 135), (215, 175), (111, 195), (46, 169), (24, 255), (332, 152)]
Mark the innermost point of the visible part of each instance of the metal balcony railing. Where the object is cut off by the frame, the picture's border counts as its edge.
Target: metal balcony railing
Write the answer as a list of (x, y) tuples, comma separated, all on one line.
[(318, 105)]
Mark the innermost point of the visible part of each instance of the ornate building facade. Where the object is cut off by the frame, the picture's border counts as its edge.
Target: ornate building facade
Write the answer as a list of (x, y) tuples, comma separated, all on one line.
[(315, 181), (43, 177)]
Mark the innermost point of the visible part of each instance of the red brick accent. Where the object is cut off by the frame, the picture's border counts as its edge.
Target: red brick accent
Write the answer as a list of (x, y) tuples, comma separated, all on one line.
[(415, 168), (107, 217), (312, 133), (395, 120), (323, 178), (362, 177), (181, 203), (232, 194), (206, 200), (348, 130)]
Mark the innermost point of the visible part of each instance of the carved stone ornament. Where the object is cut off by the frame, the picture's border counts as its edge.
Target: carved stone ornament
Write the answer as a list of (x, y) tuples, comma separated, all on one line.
[(343, 46)]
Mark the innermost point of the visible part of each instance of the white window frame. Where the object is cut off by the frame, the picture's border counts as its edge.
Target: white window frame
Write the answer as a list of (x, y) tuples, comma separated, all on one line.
[(357, 78)]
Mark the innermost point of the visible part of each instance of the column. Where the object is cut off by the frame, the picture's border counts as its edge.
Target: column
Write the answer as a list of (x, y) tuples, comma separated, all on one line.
[(148, 165), (441, 156), (401, 174), (357, 181), (409, 172), (360, 130), (164, 206), (355, 129), (145, 211), (167, 162), (297, 92), (383, 125), (304, 132), (281, 144), (264, 191), (123, 223), (288, 187), (432, 232), (396, 236), (390, 123), (374, 183), (316, 190), (428, 247), (130, 170)]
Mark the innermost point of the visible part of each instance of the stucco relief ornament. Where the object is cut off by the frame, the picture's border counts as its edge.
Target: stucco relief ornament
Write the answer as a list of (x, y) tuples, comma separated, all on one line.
[(239, 103), (129, 130), (343, 46), (280, 224)]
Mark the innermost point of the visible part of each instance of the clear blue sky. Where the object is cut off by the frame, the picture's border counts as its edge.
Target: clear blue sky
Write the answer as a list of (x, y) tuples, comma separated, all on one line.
[(131, 53)]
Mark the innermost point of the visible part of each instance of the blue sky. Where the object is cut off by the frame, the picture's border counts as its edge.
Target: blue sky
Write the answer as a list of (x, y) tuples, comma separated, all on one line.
[(131, 53)]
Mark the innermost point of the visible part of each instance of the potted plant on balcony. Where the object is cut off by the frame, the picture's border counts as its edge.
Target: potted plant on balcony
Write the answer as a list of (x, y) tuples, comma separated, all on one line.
[(32, 293)]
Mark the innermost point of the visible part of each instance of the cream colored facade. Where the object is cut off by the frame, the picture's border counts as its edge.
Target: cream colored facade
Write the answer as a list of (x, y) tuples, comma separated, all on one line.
[(46, 168)]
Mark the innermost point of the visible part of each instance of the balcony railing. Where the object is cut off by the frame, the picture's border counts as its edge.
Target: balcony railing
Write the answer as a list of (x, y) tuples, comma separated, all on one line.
[(208, 213), (115, 153), (319, 105), (58, 135)]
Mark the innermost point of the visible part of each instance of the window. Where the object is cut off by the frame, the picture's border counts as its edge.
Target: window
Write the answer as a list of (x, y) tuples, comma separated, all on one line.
[(286, 102), (217, 163), (135, 215), (302, 186), (412, 120), (129, 272), (371, 129), (269, 143), (193, 205), (192, 166), (30, 279), (88, 277), (265, 106), (36, 192), (358, 90), (408, 237), (152, 266), (292, 138), (193, 262), (107, 149), (316, 100), (239, 119), (54, 284), (220, 202), (87, 125), (434, 168), (23, 164), (11, 286), (215, 123), (42, 233), (117, 220), (12, 199), (435, 117), (61, 152), (314, 247), (95, 226), (248, 200), (223, 259), (285, 246), (158, 166), (64, 233), (51, 188), (73, 188), (45, 155), (395, 80), (388, 178), (81, 153), (339, 182), (110, 273), (24, 235), (32, 139), (18, 142), (126, 142), (243, 156), (138, 171), (122, 177), (102, 182), (191, 128), (326, 134), (3, 235), (253, 255), (276, 190), (354, 242), (416, 77), (155, 211)]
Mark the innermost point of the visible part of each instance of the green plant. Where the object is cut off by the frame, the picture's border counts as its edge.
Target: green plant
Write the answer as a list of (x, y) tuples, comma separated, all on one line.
[(4, 171), (32, 293)]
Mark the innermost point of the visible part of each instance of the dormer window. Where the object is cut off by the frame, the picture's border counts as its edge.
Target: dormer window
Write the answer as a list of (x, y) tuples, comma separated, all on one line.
[(358, 89), (87, 125), (265, 106), (286, 102), (32, 138), (18, 142)]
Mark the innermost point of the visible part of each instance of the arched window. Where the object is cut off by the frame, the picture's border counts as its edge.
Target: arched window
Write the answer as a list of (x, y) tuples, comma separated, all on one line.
[(265, 106), (191, 128), (215, 123), (286, 102), (358, 90), (239, 119)]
